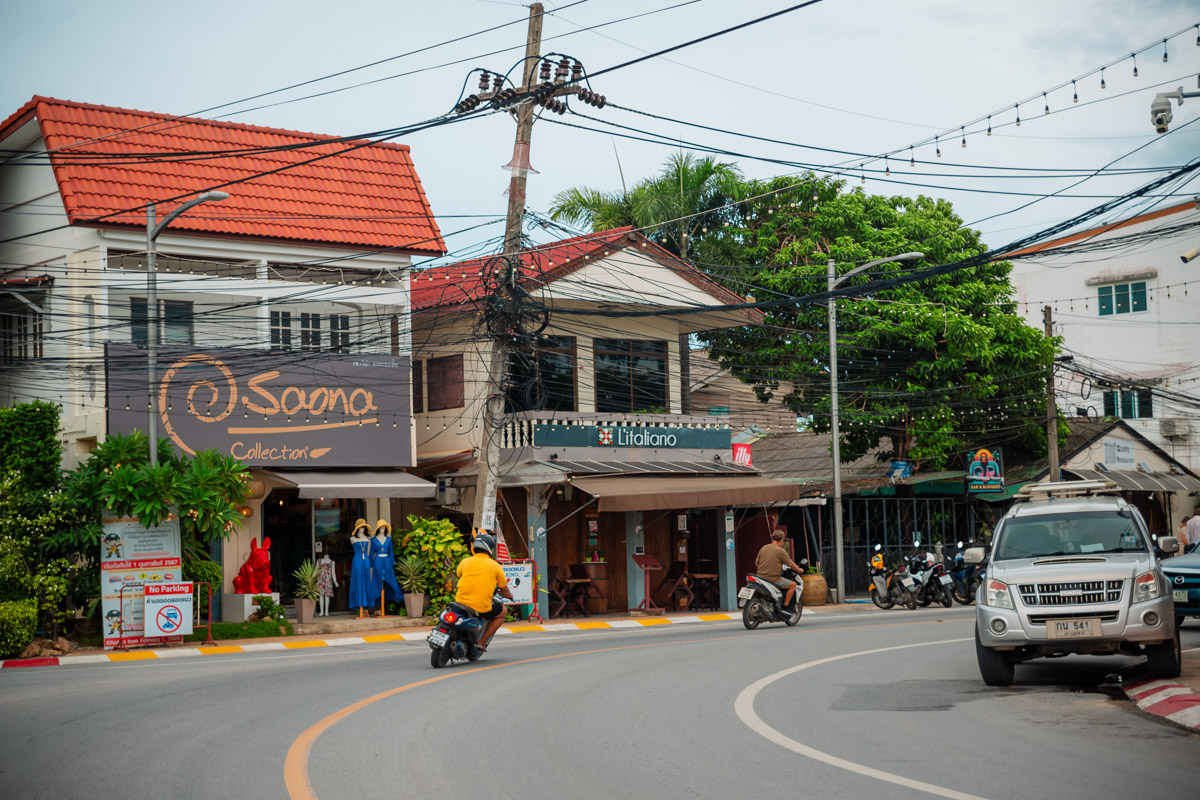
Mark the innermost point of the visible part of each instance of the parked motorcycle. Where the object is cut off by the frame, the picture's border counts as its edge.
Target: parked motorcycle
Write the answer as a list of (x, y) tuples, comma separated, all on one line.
[(972, 577), (762, 601), (959, 572), (890, 586), (932, 582), (456, 636)]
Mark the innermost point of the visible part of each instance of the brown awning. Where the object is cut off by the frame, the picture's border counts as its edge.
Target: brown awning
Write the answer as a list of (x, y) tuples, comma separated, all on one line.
[(355, 483), (1134, 481), (656, 493)]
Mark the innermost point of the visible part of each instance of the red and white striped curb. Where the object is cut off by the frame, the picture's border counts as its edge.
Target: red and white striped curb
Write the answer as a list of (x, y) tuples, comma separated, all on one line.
[(1167, 699)]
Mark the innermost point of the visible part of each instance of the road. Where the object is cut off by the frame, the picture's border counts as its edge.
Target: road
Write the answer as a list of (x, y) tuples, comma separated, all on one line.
[(843, 705)]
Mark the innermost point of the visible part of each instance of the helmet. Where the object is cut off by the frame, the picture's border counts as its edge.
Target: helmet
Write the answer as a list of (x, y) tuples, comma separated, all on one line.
[(484, 543)]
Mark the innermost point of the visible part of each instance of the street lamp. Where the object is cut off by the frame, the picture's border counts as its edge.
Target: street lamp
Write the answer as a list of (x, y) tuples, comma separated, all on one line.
[(152, 232), (833, 281)]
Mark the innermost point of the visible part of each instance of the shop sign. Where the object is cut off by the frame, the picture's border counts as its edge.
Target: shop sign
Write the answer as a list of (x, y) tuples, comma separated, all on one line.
[(168, 609), (630, 436), (134, 556), (1119, 455), (520, 581), (741, 455), (985, 471), (269, 409)]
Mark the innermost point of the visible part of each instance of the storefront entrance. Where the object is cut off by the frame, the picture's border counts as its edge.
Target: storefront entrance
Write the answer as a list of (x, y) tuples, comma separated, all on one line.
[(301, 529)]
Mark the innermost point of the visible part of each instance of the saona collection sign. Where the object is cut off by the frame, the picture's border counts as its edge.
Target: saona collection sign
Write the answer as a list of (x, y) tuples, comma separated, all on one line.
[(630, 436), (295, 409)]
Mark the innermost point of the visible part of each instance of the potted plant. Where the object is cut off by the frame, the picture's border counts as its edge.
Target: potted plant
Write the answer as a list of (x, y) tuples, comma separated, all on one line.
[(816, 591), (306, 592), (411, 574)]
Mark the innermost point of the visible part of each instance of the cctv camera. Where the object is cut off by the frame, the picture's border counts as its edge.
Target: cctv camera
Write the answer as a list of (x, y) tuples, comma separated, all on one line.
[(1160, 113)]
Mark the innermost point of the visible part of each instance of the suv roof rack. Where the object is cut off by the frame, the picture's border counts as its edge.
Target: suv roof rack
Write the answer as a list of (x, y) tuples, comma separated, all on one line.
[(1063, 489)]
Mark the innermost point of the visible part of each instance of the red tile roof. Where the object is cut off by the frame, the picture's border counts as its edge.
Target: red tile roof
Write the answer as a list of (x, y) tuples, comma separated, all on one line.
[(462, 284), (368, 197)]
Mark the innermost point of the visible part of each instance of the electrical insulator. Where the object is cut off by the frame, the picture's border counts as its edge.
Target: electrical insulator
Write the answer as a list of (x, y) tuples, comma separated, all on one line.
[(483, 81), (497, 82), (577, 71), (544, 76), (599, 100), (560, 74)]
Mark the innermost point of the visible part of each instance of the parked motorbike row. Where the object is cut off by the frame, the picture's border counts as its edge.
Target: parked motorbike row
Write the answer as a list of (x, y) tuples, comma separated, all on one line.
[(923, 579)]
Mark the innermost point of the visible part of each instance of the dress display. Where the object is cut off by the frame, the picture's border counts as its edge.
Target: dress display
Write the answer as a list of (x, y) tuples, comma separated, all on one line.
[(325, 577), (360, 575), (383, 569)]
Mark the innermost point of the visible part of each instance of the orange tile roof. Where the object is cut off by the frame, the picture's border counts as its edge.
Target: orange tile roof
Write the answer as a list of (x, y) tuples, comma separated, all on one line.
[(462, 283), (367, 197)]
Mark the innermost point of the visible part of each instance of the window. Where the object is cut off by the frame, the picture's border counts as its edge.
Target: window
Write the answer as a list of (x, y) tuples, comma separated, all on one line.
[(89, 321), (177, 322), (418, 387), (445, 383), (138, 321), (20, 333), (630, 375), (544, 378), (1122, 298), (339, 333), (310, 331), (281, 330), (1129, 403)]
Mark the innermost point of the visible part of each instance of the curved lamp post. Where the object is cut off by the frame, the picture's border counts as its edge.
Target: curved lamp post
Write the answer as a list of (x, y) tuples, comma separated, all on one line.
[(152, 232), (833, 280)]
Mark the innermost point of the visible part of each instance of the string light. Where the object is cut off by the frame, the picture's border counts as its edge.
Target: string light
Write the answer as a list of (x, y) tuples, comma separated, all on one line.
[(1018, 107), (1047, 102), (1134, 57), (1074, 93), (938, 145), (1102, 78), (887, 168), (989, 125), (963, 130), (1164, 51), (912, 162), (862, 173)]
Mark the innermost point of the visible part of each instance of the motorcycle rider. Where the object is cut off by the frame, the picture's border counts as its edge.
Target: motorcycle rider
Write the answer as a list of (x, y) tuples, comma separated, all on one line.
[(480, 577), (769, 563)]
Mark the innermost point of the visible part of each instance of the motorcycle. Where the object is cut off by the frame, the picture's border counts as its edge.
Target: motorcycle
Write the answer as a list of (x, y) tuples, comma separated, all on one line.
[(762, 601), (456, 636), (932, 582), (960, 570), (973, 576), (890, 586)]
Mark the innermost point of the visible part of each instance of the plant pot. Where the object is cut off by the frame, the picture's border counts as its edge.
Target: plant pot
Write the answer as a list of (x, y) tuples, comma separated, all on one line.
[(414, 604), (815, 590), (304, 610)]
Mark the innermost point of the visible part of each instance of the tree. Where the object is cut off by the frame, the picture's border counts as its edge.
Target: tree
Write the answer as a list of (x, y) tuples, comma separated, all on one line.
[(938, 366)]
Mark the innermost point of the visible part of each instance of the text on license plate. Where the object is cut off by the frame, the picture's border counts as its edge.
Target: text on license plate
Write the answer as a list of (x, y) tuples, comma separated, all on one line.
[(1073, 628), (908, 582), (1181, 595), (746, 593), (438, 638), (945, 579)]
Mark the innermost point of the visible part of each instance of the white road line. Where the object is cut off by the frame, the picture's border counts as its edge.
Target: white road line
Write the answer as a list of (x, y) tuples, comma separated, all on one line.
[(744, 707)]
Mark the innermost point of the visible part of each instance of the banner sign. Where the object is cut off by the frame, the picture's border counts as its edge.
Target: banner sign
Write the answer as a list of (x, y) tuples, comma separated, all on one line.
[(1119, 454), (627, 436), (742, 455), (520, 581), (168, 609), (269, 408), (985, 471), (134, 557)]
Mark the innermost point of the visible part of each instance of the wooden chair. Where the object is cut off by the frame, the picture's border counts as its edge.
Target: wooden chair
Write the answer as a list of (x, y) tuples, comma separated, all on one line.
[(580, 588), (677, 583), (558, 593)]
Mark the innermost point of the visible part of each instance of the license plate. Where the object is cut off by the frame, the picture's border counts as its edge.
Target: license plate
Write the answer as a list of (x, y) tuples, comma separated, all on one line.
[(746, 593), (945, 579), (438, 638), (908, 582), (1073, 628), (1181, 595)]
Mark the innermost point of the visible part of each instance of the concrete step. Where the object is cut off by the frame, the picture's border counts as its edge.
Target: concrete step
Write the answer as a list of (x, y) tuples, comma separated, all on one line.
[(346, 624)]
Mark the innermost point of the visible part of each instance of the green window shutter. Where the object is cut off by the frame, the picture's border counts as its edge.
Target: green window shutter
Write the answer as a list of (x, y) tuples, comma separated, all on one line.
[(1106, 300), (1145, 403), (1121, 297), (1110, 404), (1137, 296), (1127, 410)]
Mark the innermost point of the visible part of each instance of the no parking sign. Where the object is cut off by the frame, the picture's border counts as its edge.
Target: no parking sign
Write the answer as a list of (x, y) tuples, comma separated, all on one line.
[(168, 609)]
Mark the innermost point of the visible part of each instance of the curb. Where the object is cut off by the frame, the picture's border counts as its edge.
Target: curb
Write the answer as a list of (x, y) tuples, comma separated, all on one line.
[(1167, 699), (342, 641)]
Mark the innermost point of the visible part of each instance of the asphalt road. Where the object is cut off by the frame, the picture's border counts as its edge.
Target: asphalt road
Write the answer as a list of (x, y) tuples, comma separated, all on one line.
[(706, 710)]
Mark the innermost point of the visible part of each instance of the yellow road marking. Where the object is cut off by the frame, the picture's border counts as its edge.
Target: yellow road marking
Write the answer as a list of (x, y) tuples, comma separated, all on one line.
[(384, 637), (523, 628), (587, 626), (138, 656), (714, 617), (653, 621), (212, 651), (298, 645)]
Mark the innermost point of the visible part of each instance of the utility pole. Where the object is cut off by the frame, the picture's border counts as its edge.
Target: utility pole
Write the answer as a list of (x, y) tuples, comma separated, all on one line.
[(1051, 408)]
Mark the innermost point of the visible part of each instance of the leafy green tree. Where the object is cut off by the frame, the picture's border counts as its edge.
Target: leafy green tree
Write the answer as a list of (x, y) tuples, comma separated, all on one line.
[(938, 366)]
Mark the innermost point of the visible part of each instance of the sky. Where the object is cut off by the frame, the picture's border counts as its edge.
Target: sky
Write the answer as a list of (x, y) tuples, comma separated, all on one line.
[(866, 77)]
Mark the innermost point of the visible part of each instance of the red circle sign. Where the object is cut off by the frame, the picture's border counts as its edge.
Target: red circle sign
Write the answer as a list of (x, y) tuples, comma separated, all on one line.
[(169, 618)]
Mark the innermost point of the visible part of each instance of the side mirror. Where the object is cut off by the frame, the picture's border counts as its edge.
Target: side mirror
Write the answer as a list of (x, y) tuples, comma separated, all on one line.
[(803, 562), (1168, 544), (974, 556)]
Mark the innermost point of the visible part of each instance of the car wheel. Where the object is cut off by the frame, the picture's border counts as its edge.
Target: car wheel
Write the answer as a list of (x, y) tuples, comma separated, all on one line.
[(1166, 658), (996, 668)]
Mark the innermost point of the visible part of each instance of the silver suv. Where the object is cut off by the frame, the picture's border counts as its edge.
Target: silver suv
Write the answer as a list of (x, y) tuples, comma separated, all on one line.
[(1073, 570)]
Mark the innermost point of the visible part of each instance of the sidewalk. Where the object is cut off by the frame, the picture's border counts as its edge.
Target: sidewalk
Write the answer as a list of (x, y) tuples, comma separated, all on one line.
[(403, 630), (1176, 700)]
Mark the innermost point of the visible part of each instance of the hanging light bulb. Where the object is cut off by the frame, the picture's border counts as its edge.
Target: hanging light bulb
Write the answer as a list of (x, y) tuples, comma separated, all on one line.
[(989, 125), (938, 146), (963, 130), (1134, 57), (1198, 36), (887, 168), (912, 162), (1164, 51), (1018, 115), (1046, 102), (1102, 79), (1074, 93)]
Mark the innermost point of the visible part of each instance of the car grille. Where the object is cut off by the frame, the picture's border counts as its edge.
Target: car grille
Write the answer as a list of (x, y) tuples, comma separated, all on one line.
[(1070, 594), (1189, 581), (1103, 616)]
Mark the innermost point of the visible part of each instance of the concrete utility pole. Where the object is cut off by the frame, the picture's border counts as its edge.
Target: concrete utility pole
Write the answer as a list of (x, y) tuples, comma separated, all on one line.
[(1051, 408), (487, 474)]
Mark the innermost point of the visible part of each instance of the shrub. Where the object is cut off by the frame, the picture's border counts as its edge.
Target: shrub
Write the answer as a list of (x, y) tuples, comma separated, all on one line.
[(306, 576), (439, 543), (18, 625), (267, 607), (209, 571)]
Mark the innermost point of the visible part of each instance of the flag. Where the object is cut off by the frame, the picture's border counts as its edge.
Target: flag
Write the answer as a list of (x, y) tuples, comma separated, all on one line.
[(502, 548)]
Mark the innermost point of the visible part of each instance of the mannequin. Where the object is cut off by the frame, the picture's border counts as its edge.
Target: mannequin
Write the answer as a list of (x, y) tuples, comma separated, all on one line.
[(326, 582), (383, 566), (360, 568)]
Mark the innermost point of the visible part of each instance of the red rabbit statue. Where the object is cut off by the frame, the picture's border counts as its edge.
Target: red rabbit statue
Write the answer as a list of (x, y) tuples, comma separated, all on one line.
[(255, 575)]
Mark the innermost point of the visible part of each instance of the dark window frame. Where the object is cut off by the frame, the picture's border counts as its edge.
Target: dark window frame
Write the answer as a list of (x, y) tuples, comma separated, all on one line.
[(310, 330), (281, 330), (525, 366), (446, 383), (606, 350), (1131, 297), (418, 387), (177, 321), (339, 333)]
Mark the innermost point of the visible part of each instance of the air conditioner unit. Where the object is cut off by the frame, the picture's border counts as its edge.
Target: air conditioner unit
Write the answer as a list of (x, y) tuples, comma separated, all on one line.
[(447, 494), (1175, 428)]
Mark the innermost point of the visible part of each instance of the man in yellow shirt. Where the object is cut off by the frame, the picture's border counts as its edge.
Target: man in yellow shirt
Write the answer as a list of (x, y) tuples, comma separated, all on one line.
[(479, 578)]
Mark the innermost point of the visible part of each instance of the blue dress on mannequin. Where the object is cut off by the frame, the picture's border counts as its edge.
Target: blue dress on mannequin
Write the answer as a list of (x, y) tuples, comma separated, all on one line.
[(383, 570), (360, 575)]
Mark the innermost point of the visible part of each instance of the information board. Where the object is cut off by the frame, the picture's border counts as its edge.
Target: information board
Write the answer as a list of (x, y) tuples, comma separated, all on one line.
[(132, 556), (520, 581), (168, 609)]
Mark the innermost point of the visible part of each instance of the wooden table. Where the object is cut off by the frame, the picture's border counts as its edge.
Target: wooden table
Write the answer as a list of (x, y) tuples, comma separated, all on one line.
[(708, 591), (597, 571)]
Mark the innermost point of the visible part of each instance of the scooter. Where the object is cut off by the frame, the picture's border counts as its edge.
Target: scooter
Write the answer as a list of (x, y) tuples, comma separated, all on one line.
[(762, 601), (890, 586), (974, 575), (932, 582), (456, 636), (959, 572)]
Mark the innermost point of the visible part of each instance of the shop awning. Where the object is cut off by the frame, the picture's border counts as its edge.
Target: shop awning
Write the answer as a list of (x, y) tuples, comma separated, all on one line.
[(657, 493), (1134, 481), (355, 483)]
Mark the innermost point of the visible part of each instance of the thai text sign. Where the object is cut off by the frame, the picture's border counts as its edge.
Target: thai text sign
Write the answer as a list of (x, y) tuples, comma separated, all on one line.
[(985, 471), (629, 436), (168, 609), (520, 581), (296, 409), (133, 557)]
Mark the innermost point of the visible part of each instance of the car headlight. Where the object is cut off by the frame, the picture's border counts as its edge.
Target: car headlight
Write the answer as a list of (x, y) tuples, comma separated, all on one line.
[(1146, 587), (997, 595)]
